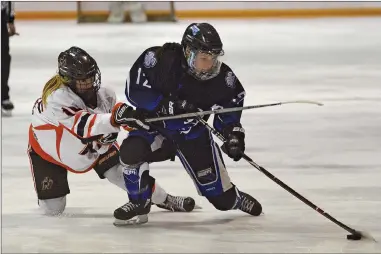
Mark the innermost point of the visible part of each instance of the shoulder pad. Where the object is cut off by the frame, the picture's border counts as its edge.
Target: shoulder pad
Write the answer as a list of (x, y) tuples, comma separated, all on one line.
[(64, 96)]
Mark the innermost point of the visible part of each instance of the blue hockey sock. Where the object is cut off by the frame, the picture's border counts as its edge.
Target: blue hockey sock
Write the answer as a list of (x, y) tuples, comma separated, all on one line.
[(138, 183)]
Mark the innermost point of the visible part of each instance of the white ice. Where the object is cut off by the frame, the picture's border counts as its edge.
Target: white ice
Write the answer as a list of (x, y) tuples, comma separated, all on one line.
[(330, 154)]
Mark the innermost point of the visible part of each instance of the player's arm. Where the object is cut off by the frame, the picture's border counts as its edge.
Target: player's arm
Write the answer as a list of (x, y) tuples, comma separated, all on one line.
[(64, 109), (88, 126), (141, 89), (229, 124), (102, 127), (154, 74), (222, 121), (85, 124)]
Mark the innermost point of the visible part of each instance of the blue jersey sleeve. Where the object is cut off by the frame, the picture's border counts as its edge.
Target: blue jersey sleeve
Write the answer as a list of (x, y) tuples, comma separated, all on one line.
[(140, 92), (233, 118)]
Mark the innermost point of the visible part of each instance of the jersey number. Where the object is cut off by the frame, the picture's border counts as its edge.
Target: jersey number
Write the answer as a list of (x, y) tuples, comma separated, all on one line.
[(38, 106), (142, 79)]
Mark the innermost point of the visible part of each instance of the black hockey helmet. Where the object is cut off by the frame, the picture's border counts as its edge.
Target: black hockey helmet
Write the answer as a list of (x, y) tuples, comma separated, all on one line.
[(82, 73), (202, 39)]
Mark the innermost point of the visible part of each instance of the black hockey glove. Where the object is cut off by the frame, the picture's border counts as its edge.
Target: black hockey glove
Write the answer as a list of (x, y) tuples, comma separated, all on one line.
[(125, 116), (172, 106), (234, 146), (108, 139)]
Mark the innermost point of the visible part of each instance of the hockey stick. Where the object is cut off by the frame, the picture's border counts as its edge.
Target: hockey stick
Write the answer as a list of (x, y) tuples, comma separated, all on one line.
[(355, 235), (228, 110)]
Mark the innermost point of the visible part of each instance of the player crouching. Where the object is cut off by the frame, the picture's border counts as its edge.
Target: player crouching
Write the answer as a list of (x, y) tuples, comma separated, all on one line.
[(71, 130), (176, 79)]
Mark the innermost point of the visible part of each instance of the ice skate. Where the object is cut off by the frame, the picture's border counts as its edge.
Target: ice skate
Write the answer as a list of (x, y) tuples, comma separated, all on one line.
[(131, 214), (250, 205)]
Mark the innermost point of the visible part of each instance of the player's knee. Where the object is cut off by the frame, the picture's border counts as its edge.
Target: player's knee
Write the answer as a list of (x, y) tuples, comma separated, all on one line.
[(115, 176), (54, 206), (226, 200), (134, 150), (165, 152), (107, 161)]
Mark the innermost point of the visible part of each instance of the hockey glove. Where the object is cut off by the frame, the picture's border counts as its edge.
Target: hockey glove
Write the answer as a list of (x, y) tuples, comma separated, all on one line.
[(171, 106), (234, 146), (124, 115)]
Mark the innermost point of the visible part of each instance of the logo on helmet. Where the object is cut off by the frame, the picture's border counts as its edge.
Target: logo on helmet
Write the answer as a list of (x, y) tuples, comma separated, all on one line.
[(150, 59), (195, 29), (230, 79)]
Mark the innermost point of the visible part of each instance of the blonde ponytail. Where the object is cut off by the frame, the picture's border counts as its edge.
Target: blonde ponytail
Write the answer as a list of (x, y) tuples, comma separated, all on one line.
[(53, 84)]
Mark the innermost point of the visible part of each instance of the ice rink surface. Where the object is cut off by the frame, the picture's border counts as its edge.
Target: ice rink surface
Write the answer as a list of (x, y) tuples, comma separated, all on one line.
[(330, 154)]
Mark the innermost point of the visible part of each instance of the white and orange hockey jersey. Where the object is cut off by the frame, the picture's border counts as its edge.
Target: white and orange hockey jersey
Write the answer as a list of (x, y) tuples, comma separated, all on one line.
[(57, 128)]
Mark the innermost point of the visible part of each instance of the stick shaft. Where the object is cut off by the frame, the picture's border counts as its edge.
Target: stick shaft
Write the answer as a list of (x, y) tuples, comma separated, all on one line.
[(227, 110), (203, 113)]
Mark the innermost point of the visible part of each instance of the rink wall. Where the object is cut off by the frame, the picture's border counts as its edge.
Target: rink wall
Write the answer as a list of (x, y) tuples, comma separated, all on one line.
[(187, 10)]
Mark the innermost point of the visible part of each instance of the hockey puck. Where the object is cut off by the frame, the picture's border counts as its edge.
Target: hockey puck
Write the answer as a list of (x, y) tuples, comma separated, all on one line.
[(354, 237)]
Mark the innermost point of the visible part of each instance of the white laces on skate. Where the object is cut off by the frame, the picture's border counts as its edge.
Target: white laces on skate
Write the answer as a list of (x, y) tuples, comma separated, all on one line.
[(247, 205), (175, 203), (128, 207)]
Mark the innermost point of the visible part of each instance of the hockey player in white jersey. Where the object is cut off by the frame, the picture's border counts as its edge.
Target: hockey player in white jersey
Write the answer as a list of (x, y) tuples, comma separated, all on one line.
[(72, 129)]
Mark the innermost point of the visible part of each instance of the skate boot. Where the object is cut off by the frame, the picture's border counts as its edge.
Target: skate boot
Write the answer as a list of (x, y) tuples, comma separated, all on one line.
[(132, 214), (6, 108), (249, 204), (178, 204)]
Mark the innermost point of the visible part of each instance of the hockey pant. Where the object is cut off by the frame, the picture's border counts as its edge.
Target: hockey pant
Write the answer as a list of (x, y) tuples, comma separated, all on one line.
[(51, 182)]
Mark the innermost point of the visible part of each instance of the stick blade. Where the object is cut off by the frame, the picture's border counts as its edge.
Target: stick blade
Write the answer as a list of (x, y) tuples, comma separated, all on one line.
[(367, 236), (361, 235)]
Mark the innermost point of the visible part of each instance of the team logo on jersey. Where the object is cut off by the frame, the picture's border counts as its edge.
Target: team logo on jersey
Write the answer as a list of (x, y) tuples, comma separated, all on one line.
[(150, 59), (195, 29), (230, 79)]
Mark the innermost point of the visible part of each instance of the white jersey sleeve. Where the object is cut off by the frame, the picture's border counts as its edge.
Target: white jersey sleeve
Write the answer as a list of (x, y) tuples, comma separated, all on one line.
[(65, 107), (67, 120)]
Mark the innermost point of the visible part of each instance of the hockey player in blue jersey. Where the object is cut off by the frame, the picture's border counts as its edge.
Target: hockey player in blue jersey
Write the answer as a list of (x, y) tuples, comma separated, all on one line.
[(175, 79)]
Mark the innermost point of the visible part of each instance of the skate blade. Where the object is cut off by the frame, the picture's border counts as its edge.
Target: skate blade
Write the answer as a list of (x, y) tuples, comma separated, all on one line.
[(137, 220), (197, 207)]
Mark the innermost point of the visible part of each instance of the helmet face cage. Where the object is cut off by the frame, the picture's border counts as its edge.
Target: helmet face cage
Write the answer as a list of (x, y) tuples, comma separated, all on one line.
[(192, 57), (92, 83)]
